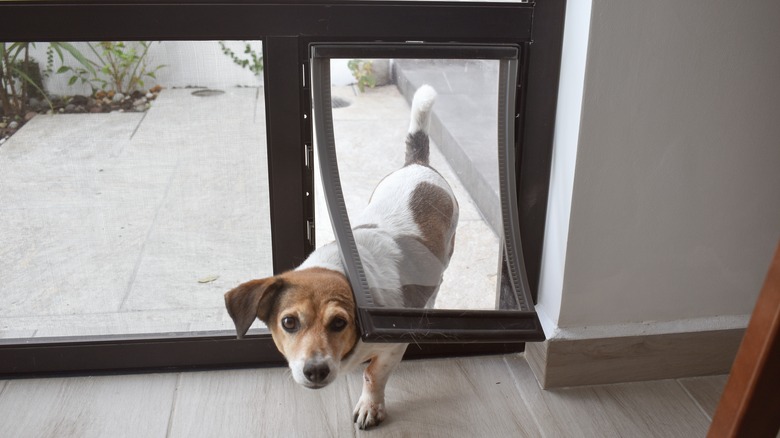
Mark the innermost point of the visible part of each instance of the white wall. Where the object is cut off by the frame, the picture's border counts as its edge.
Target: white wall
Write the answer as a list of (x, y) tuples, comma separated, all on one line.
[(675, 207), (567, 128), (187, 64)]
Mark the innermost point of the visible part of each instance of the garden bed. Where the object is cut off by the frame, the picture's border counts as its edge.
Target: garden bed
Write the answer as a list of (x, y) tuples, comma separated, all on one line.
[(100, 102)]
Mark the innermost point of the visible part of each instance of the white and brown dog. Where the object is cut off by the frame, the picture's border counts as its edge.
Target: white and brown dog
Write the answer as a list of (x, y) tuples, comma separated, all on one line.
[(405, 239)]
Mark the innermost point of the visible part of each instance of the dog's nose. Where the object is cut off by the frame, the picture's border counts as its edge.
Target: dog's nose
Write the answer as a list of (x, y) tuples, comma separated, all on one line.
[(316, 372)]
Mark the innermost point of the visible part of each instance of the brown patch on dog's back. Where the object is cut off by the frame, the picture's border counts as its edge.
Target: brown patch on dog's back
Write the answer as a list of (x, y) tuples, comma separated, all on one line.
[(432, 209)]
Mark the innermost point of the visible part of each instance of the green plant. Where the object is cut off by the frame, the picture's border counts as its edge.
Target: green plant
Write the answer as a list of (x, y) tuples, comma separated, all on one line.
[(120, 66), (253, 60), (363, 72), (18, 74), (32, 70)]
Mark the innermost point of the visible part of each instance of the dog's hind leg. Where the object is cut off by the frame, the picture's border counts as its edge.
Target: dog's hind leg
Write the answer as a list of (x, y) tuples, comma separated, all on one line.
[(370, 409)]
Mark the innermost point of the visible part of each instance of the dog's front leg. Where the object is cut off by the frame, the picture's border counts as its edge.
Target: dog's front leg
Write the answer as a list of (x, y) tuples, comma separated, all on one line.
[(370, 409)]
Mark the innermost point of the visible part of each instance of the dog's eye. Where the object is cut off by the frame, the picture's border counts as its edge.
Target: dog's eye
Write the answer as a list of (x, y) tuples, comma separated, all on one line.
[(338, 324), (290, 324)]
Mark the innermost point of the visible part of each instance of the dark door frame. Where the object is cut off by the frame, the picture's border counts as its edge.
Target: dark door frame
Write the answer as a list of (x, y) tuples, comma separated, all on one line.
[(284, 28)]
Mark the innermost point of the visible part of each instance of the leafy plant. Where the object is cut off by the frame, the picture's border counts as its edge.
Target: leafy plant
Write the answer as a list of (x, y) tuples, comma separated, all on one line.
[(363, 72), (253, 60), (120, 66), (19, 74)]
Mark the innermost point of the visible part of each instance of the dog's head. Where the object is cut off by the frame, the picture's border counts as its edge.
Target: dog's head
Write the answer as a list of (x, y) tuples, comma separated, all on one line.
[(311, 316)]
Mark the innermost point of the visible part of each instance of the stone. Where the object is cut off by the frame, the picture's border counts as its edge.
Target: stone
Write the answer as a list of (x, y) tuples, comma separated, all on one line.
[(100, 94), (79, 100), (139, 102), (118, 97), (149, 95), (34, 103), (29, 116), (70, 107), (13, 125), (95, 109), (3, 125)]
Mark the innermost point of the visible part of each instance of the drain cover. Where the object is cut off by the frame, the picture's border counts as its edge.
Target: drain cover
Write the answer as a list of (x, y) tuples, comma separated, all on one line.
[(207, 93), (338, 102)]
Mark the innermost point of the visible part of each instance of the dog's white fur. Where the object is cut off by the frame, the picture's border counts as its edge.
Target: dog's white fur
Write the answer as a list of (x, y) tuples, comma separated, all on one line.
[(405, 237)]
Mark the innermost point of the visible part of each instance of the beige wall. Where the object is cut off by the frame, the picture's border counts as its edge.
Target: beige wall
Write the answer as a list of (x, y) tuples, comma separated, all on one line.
[(675, 201)]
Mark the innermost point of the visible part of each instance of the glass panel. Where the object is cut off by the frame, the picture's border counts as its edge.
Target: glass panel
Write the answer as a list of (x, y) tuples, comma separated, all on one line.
[(133, 186), (371, 118)]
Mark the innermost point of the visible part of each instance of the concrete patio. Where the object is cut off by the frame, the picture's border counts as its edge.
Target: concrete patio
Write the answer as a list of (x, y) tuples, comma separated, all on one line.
[(130, 223)]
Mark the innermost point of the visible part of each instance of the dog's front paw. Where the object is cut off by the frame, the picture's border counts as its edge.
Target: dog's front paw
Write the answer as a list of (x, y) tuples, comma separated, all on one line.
[(368, 413)]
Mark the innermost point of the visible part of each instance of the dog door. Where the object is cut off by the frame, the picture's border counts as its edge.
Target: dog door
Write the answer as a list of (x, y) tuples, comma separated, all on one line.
[(361, 98)]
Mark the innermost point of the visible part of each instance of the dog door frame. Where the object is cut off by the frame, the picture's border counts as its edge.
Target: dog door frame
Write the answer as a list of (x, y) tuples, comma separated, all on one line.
[(381, 324)]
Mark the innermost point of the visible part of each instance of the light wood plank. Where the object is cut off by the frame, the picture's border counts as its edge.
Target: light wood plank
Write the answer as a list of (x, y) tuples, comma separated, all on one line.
[(83, 407), (465, 397), (258, 403), (483, 396), (646, 409), (705, 391)]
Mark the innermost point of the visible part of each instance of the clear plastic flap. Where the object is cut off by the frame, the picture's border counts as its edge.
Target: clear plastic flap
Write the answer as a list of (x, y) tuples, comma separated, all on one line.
[(417, 151)]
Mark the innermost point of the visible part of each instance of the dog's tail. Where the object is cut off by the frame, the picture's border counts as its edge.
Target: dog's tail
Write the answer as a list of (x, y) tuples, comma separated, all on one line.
[(417, 138)]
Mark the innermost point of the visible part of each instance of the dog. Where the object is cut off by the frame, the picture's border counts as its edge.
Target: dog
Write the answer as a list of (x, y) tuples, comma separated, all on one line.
[(405, 238)]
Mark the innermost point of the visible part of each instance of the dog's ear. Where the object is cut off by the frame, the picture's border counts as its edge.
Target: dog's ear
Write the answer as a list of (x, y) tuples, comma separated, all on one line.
[(252, 299)]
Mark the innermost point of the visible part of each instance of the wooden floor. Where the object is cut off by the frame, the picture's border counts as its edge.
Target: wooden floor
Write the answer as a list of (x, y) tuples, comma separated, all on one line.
[(465, 397)]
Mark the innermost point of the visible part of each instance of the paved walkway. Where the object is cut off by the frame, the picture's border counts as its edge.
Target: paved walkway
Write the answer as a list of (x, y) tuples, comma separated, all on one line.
[(139, 222)]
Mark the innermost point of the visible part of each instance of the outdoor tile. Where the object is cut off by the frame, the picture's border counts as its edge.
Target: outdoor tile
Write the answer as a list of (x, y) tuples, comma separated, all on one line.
[(120, 323), (379, 104), (15, 334), (73, 214), (214, 221), (470, 280), (176, 269)]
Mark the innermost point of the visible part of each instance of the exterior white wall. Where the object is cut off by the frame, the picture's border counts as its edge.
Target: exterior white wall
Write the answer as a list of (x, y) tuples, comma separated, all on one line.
[(187, 64), (675, 208)]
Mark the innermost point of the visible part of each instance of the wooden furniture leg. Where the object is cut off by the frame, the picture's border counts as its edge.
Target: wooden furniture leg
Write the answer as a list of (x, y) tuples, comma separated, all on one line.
[(750, 404)]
